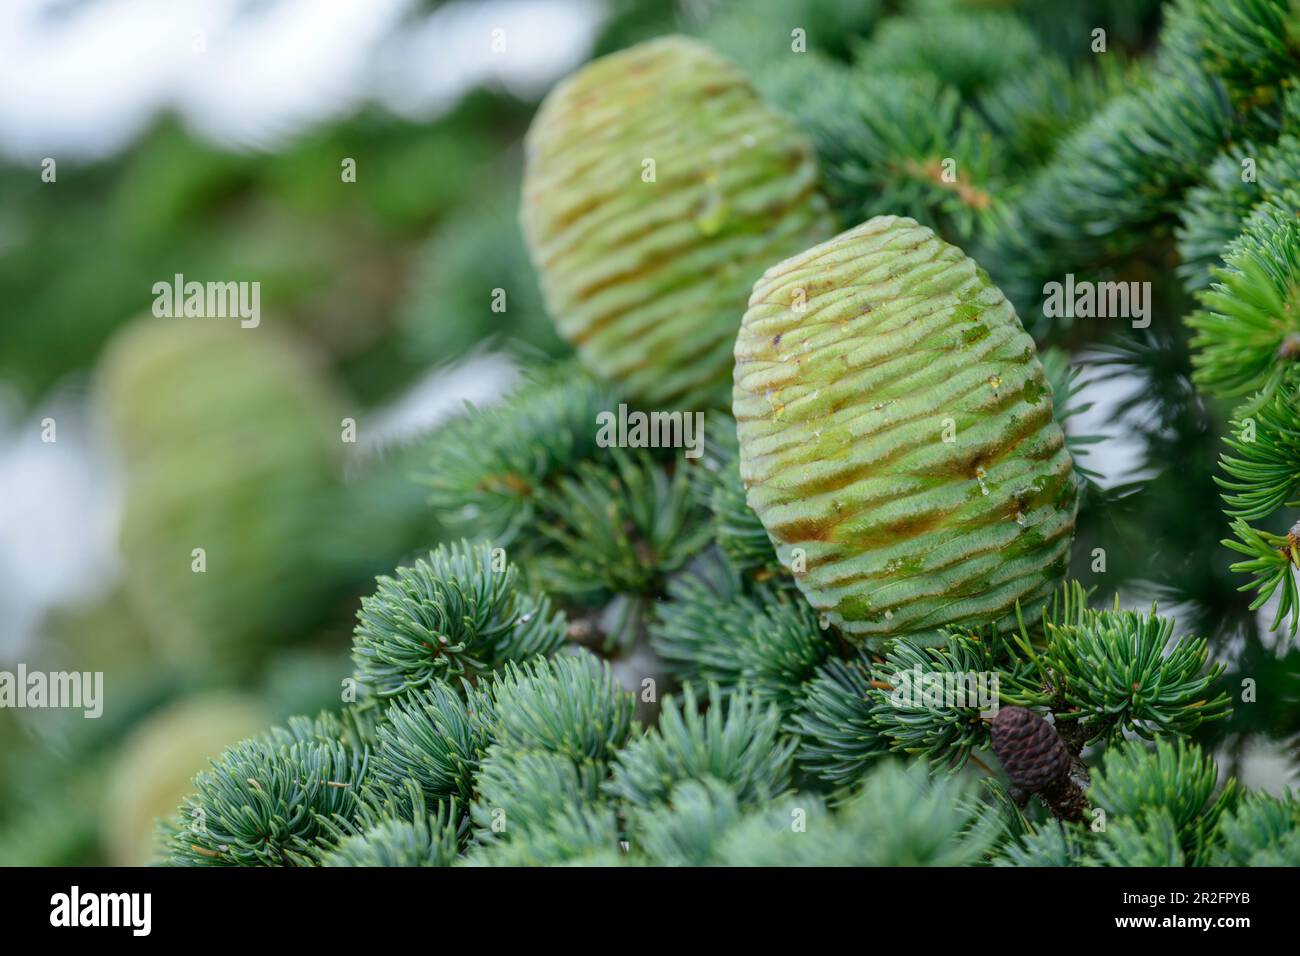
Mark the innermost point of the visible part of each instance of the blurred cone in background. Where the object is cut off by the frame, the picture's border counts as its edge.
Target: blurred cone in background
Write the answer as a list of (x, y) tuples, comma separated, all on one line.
[(158, 761), (232, 450)]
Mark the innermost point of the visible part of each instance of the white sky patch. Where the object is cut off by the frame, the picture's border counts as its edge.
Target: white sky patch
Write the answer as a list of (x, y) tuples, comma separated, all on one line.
[(427, 69), (1279, 641), (1267, 765), (480, 379), (260, 80), (1119, 457), (59, 508), (82, 80)]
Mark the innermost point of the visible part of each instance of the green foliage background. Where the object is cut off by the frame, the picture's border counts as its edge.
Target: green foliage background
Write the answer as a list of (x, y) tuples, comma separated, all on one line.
[(1122, 165)]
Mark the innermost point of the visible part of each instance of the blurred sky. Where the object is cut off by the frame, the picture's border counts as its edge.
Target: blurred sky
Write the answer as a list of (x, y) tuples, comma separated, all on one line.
[(81, 78)]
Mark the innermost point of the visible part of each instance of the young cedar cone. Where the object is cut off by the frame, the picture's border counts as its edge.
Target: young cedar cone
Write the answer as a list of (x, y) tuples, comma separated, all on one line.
[(657, 186), (897, 438), (1031, 751), (230, 451)]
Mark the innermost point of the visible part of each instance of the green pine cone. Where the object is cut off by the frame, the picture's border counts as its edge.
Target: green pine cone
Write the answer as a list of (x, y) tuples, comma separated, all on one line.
[(229, 443), (657, 186), (897, 438)]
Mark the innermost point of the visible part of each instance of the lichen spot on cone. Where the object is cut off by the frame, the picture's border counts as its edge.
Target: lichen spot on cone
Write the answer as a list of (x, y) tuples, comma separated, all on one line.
[(657, 187), (897, 437)]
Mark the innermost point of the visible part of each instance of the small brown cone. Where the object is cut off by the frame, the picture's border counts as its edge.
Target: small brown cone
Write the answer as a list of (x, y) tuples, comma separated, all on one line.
[(1031, 751)]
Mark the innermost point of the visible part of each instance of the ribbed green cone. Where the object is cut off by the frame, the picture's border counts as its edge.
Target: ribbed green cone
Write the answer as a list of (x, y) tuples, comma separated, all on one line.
[(230, 442), (646, 279), (843, 407)]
